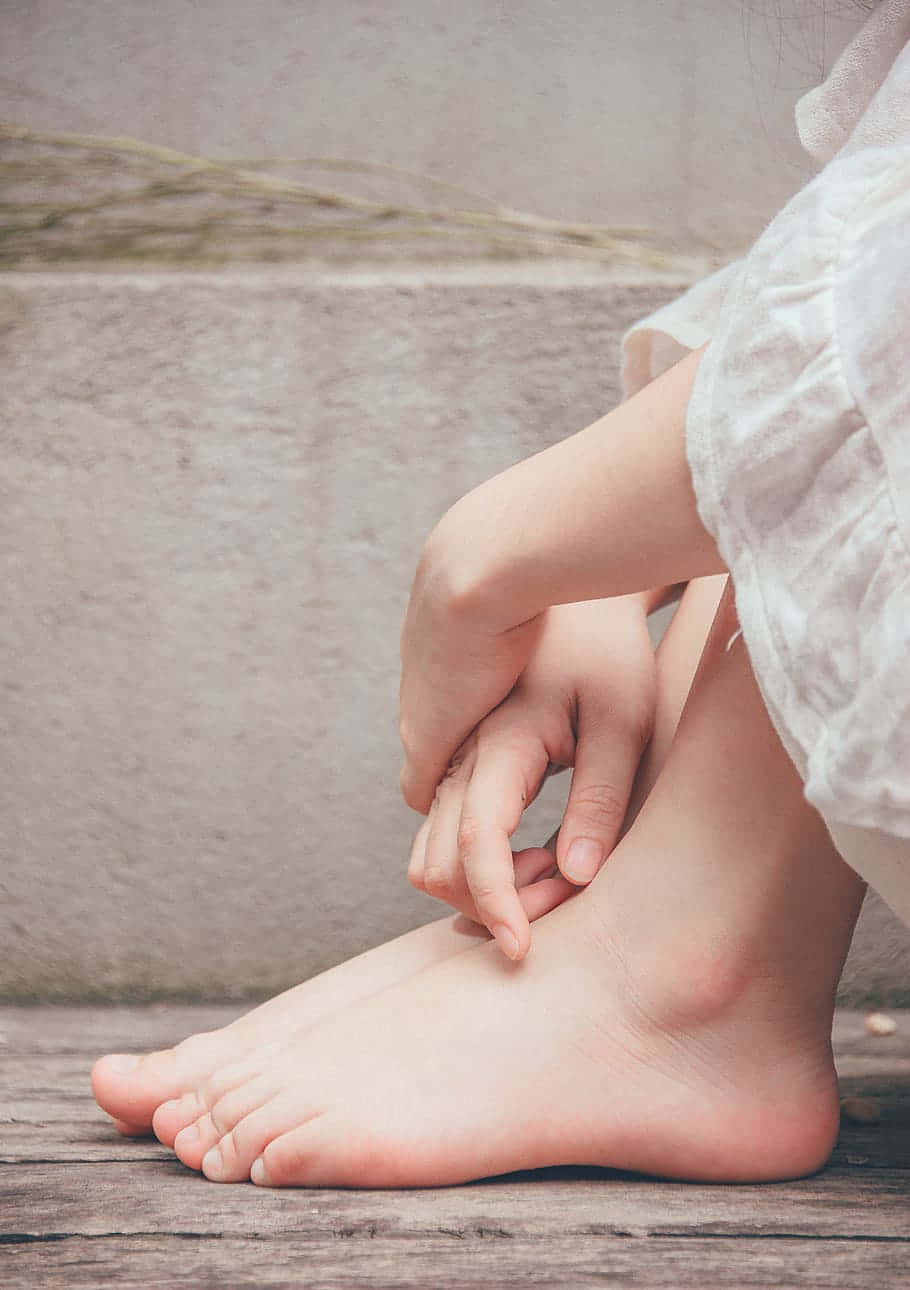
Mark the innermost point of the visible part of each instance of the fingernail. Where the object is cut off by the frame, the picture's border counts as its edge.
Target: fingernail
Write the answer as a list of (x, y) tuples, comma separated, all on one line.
[(507, 940), (122, 1063), (583, 858), (189, 1134), (258, 1173)]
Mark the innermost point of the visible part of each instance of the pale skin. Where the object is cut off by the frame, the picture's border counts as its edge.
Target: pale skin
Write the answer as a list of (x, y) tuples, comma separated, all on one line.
[(683, 998), (131, 1088), (687, 1032), (607, 512), (586, 699)]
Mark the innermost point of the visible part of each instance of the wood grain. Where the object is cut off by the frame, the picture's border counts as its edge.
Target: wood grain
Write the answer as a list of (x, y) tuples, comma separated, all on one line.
[(80, 1206)]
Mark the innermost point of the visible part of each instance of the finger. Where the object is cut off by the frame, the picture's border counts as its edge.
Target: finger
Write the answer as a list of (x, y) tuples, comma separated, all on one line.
[(605, 763), (443, 877), (470, 927), (541, 897), (532, 864), (506, 775), (418, 852), (535, 867), (538, 898)]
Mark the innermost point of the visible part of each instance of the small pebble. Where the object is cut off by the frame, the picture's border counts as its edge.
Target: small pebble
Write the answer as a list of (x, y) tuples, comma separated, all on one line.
[(857, 1160), (879, 1023), (862, 1110)]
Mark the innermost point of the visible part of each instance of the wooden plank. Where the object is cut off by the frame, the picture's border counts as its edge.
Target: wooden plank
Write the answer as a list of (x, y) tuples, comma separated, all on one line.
[(80, 1206), (488, 1262), (158, 1197)]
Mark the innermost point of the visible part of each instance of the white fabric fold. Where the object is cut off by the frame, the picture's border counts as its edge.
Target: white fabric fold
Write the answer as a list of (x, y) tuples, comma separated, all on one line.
[(827, 116), (798, 434)]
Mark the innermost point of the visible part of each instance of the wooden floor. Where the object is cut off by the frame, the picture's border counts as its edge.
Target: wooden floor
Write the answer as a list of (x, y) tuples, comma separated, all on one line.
[(81, 1207)]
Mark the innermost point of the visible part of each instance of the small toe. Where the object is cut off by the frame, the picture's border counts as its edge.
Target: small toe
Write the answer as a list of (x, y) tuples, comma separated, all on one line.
[(192, 1142), (173, 1117), (288, 1160), (228, 1078), (320, 1153), (231, 1159)]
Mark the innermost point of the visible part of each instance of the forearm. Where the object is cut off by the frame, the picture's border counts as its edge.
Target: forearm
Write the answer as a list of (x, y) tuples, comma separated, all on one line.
[(606, 512)]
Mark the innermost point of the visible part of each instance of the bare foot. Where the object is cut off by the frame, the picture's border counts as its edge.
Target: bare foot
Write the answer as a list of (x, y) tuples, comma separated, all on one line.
[(472, 1069), (673, 1019), (130, 1087), (133, 1093)]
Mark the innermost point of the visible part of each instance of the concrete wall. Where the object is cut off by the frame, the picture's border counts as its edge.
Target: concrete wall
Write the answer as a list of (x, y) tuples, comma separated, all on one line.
[(675, 114), (214, 487), (214, 491)]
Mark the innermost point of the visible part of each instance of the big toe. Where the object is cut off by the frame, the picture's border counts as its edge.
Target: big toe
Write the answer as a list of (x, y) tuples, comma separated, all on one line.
[(131, 1088)]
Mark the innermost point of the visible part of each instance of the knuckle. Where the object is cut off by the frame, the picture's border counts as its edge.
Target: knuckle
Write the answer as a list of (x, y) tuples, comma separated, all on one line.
[(411, 791), (453, 776), (406, 735), (486, 891), (220, 1117), (602, 805), (634, 716), (488, 897), (469, 833), (211, 1092), (229, 1147), (437, 880), (641, 723)]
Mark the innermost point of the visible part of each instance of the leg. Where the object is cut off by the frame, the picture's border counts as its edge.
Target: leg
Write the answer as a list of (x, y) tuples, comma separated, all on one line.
[(131, 1088), (674, 1018)]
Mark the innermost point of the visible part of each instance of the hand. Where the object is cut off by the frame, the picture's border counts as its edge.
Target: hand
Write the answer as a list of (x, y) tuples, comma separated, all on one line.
[(585, 699), (609, 511)]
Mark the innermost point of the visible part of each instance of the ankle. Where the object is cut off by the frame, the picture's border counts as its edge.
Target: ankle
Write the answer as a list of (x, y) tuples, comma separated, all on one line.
[(689, 980)]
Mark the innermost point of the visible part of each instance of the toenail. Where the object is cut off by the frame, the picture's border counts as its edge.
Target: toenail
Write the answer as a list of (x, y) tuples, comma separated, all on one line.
[(212, 1164), (122, 1063), (189, 1134), (258, 1174)]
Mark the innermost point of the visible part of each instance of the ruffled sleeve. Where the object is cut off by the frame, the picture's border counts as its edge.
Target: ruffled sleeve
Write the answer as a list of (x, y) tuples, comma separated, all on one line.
[(666, 336)]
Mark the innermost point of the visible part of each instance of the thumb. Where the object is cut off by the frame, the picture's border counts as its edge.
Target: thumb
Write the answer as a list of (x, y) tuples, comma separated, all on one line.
[(605, 764)]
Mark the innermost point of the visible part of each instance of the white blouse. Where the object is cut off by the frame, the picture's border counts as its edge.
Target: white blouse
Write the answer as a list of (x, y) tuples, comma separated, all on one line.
[(798, 434)]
